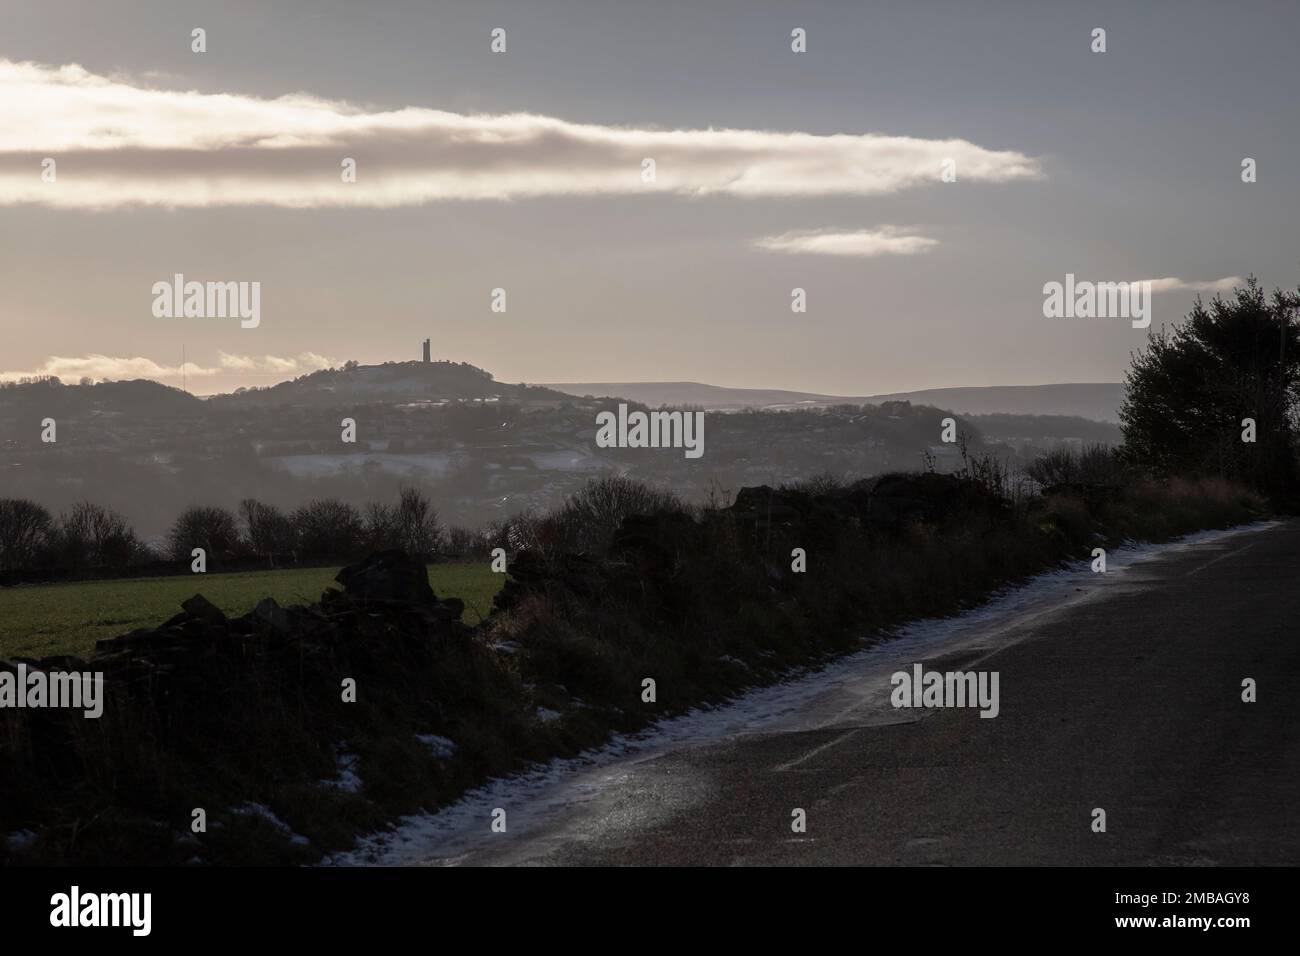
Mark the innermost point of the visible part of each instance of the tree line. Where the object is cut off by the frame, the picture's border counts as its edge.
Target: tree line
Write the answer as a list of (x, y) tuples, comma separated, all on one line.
[(89, 535), (324, 530)]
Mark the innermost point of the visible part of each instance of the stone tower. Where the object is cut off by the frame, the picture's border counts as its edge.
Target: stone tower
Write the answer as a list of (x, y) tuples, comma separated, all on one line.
[(427, 358)]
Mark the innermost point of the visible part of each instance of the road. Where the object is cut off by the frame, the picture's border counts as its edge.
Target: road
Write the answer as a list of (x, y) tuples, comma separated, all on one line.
[(1120, 691)]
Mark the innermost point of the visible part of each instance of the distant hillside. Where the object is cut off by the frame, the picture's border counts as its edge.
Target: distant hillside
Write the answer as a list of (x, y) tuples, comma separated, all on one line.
[(480, 448), (138, 397), (1097, 401), (1045, 430), (420, 382), (389, 382), (695, 393)]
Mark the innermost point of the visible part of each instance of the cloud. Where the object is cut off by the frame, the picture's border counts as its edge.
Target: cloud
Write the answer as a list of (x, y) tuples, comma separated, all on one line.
[(101, 367), (863, 243), (1216, 285), (118, 143), (97, 366), (274, 364), (238, 363)]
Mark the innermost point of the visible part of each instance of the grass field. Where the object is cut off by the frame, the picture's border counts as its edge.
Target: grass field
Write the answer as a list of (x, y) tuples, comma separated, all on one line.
[(68, 618)]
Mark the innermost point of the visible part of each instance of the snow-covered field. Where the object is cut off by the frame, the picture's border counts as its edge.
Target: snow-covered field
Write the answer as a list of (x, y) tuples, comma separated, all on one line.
[(315, 466), (566, 460)]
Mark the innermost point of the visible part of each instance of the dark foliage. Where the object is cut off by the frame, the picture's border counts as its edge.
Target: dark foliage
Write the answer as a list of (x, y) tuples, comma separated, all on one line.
[(1190, 389)]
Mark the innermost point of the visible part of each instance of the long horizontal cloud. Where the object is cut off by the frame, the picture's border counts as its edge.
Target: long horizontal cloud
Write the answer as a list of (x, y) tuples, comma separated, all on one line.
[(101, 367), (863, 243), (116, 143), (1177, 285)]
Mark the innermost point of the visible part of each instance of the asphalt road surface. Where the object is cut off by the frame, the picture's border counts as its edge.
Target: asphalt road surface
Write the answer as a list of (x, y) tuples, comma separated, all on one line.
[(1124, 695)]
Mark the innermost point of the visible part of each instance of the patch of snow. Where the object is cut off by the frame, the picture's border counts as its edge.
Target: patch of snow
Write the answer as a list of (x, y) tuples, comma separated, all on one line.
[(265, 812), (20, 839), (565, 461), (546, 715), (314, 466), (441, 747), (347, 780)]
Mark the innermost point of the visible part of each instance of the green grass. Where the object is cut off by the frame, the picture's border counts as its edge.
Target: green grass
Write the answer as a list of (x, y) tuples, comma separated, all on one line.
[(49, 619)]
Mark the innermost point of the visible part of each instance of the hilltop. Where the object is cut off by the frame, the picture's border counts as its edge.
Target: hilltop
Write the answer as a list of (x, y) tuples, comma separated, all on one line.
[(441, 381)]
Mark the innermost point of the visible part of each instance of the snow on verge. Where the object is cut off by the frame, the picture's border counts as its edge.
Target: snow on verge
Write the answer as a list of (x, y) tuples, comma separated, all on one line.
[(265, 812), (546, 792)]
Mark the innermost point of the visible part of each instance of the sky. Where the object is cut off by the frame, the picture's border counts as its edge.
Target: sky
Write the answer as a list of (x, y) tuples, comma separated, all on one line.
[(524, 170)]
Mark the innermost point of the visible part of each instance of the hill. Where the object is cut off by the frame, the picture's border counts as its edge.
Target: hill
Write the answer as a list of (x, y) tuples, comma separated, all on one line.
[(136, 397), (1098, 401), (389, 383), (480, 448)]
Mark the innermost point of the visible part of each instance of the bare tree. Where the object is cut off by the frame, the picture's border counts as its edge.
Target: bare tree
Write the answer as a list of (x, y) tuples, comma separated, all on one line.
[(25, 529), (212, 529), (90, 535), (268, 530), (411, 525), (465, 542), (383, 530), (588, 520), (421, 534), (328, 529)]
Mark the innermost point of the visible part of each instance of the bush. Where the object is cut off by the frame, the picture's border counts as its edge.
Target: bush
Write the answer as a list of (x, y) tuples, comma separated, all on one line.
[(1094, 464), (823, 483), (466, 542), (411, 525), (417, 523), (90, 535), (326, 529), (1189, 388), (587, 521), (1059, 466), (212, 529), (268, 530), (25, 532), (381, 527)]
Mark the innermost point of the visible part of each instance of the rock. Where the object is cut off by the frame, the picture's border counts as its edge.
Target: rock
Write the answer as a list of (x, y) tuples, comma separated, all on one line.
[(559, 577), (200, 607), (270, 614), (387, 576), (653, 543)]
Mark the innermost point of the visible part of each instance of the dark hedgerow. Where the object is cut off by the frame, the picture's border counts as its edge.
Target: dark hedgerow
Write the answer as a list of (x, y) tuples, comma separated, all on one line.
[(246, 719)]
